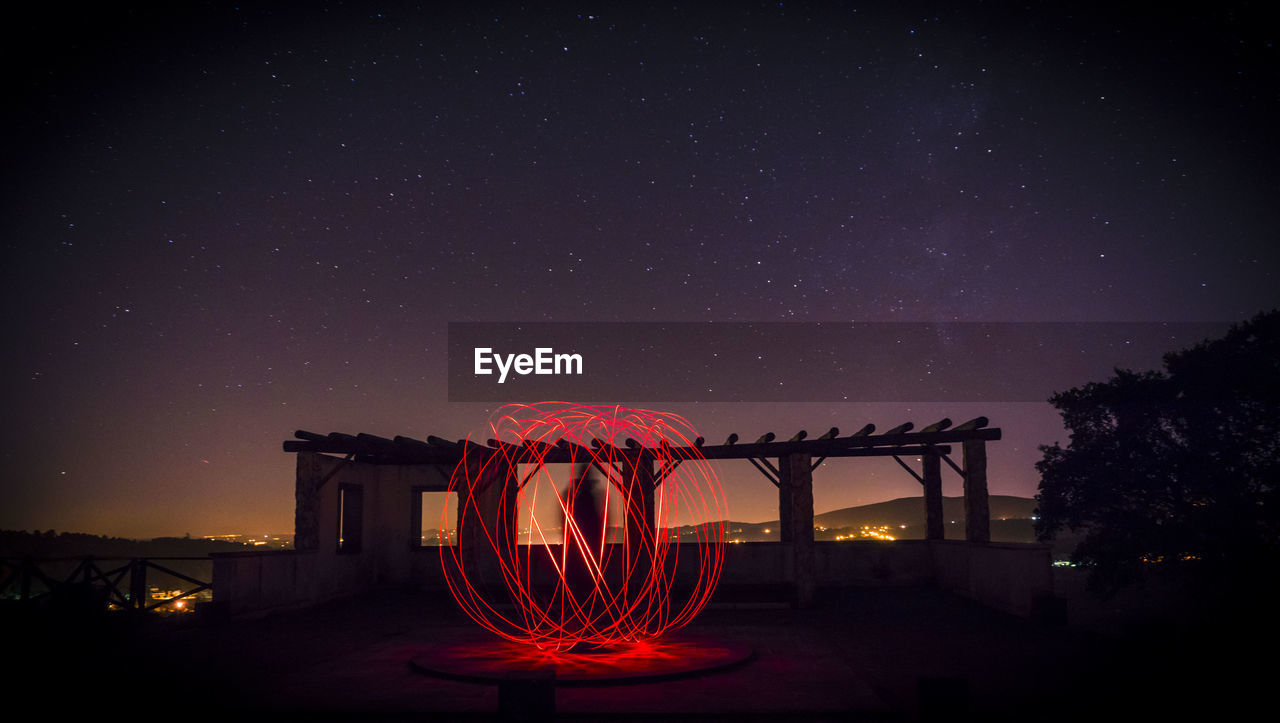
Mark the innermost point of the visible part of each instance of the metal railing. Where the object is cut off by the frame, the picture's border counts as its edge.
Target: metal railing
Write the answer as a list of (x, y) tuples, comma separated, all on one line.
[(118, 582)]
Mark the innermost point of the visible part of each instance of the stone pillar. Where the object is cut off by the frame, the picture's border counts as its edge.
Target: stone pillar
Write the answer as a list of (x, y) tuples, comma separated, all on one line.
[(490, 525), (306, 509), (638, 490), (784, 501), (977, 510), (935, 527), (800, 476)]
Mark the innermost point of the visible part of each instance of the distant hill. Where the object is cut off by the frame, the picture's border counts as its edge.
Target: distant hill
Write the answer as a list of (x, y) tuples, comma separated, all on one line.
[(1010, 520), (909, 511), (16, 543)]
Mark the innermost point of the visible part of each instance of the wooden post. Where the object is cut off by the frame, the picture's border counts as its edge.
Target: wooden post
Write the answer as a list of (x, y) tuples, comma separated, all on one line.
[(977, 509), (784, 501), (935, 528), (306, 510), (802, 552)]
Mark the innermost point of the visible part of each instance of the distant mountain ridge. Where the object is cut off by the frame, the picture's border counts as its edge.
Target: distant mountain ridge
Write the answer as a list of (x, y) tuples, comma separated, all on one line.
[(1010, 520), (910, 511), (20, 543)]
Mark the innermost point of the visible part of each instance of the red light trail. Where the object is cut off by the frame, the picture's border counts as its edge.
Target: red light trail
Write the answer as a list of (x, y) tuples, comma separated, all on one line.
[(577, 588)]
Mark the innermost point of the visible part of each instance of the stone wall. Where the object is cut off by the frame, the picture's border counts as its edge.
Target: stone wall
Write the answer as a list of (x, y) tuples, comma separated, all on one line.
[(1005, 576)]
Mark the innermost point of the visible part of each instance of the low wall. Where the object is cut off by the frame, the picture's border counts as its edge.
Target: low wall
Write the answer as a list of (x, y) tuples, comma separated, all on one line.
[(836, 564), (756, 563), (1005, 576), (269, 581), (873, 563)]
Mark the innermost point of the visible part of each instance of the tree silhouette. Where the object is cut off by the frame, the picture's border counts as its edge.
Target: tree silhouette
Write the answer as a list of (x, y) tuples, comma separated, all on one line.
[(1176, 468)]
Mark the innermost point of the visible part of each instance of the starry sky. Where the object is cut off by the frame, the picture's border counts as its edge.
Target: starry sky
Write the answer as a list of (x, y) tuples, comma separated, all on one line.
[(225, 223)]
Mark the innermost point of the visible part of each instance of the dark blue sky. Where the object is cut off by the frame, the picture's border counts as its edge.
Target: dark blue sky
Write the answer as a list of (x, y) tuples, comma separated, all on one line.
[(224, 224)]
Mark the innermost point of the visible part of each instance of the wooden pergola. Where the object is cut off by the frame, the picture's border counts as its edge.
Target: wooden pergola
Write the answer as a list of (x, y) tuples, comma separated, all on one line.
[(788, 464)]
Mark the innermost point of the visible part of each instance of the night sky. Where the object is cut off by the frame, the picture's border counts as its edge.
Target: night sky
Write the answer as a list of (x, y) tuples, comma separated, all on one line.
[(223, 224)]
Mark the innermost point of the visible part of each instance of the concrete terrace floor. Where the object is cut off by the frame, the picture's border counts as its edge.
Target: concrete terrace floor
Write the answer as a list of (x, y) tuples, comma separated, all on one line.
[(858, 654)]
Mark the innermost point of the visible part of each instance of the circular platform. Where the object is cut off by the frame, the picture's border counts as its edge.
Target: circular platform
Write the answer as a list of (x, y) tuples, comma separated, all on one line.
[(492, 661)]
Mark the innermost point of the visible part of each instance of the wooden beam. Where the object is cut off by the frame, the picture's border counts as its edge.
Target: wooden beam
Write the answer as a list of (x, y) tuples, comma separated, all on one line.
[(336, 469), (907, 467), (763, 471), (613, 475), (768, 465), (841, 447), (937, 426), (855, 445), (953, 466), (415, 445), (667, 469), (972, 424), (536, 466), (375, 440)]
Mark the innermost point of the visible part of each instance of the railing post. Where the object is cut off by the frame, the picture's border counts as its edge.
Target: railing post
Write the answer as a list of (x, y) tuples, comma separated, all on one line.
[(25, 585), (138, 584)]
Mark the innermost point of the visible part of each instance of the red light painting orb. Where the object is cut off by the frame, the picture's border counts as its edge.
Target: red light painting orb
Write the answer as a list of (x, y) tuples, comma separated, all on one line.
[(585, 526)]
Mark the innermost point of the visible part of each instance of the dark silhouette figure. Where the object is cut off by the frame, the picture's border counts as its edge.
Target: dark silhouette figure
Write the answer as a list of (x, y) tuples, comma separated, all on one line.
[(583, 536)]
